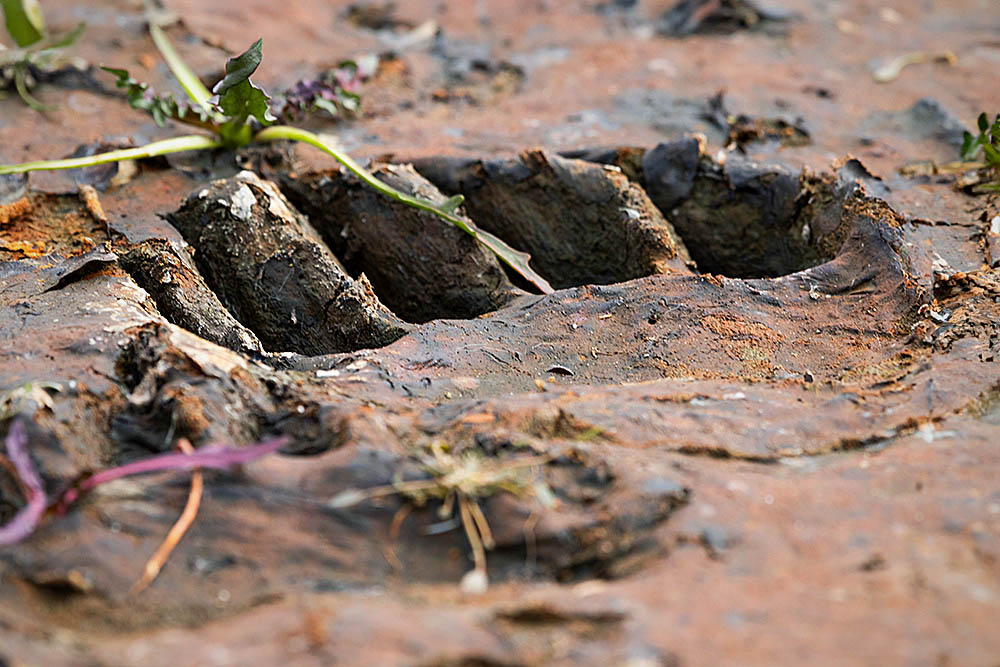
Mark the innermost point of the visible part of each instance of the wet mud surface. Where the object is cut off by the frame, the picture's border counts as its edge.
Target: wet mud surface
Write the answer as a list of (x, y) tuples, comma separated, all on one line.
[(762, 402)]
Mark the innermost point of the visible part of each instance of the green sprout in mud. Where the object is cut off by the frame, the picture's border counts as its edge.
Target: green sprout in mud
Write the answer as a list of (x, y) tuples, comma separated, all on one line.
[(237, 113), (987, 141), (461, 480), (34, 50)]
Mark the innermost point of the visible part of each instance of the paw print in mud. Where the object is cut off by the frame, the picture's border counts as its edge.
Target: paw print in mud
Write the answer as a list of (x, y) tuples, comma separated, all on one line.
[(690, 295), (667, 264)]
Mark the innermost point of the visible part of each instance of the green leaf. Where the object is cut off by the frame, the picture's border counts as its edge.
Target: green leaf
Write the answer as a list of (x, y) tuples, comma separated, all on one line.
[(984, 123), (451, 204), (69, 38), (238, 97), (160, 107), (992, 154), (40, 53), (326, 105), (24, 21), (350, 101), (245, 100), (242, 67), (967, 140)]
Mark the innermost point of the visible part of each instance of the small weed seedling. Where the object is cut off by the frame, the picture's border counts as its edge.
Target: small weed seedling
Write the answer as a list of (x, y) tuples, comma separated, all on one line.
[(335, 93), (239, 114), (34, 50), (463, 479), (987, 141)]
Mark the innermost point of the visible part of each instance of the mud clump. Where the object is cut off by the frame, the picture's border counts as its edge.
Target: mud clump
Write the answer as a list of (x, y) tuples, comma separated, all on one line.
[(271, 269), (182, 296)]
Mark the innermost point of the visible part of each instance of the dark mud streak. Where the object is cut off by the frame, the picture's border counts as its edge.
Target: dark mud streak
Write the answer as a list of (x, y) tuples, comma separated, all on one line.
[(86, 266), (689, 17), (22, 279)]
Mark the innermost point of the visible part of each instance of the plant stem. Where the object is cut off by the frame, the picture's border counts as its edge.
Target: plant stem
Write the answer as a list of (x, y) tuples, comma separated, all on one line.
[(181, 526), (21, 84), (189, 142), (513, 258), (295, 134), (189, 81)]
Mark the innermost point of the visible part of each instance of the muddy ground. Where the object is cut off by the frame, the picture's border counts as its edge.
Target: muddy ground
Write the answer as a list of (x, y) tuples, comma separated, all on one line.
[(766, 391)]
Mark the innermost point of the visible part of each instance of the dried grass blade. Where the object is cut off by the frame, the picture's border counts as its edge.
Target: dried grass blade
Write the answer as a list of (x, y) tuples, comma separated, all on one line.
[(478, 553), (173, 538), (482, 524)]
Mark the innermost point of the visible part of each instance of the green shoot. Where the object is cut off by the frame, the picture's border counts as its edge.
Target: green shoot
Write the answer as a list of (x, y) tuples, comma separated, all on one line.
[(239, 114), (189, 81), (191, 142), (987, 142), (513, 258), (240, 100), (162, 107), (35, 49)]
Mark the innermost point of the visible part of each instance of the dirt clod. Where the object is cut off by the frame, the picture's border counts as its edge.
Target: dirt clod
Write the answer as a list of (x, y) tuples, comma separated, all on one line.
[(272, 270)]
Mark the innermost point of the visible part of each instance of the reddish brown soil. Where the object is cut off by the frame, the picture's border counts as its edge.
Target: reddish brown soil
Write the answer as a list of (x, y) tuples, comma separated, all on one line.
[(799, 469)]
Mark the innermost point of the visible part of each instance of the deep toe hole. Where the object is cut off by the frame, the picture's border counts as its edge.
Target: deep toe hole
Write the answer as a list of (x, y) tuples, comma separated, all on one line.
[(358, 268), (737, 218), (744, 220), (420, 266), (583, 223)]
